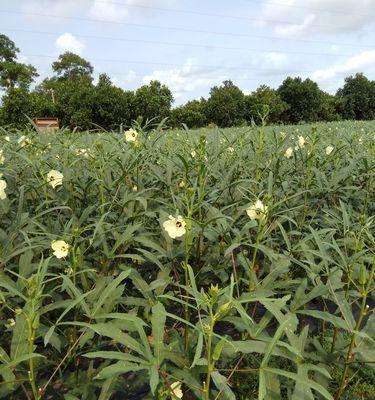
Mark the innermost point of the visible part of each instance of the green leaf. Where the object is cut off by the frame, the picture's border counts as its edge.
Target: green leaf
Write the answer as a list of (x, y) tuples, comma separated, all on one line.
[(308, 383), (198, 349), (158, 319), (13, 363), (218, 349), (118, 368), (108, 291), (106, 392), (221, 383), (269, 386), (115, 355), (19, 344), (154, 378), (25, 265), (48, 335), (110, 330), (325, 316), (280, 330)]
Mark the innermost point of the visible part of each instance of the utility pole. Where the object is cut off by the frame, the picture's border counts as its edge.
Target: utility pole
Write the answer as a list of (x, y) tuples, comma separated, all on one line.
[(52, 94)]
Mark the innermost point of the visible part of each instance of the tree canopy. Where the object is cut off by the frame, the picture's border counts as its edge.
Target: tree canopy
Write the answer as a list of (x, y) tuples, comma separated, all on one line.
[(12, 73), (357, 98), (72, 95), (72, 65), (226, 105)]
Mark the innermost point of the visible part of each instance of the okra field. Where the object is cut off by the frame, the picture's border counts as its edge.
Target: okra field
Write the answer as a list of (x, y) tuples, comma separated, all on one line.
[(212, 264)]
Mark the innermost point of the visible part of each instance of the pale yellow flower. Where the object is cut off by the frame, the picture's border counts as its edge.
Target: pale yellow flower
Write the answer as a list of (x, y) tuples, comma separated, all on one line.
[(257, 210), (131, 135), (55, 178), (193, 153), (69, 270), (3, 186), (176, 390), (288, 152), (23, 141), (175, 227), (2, 158), (10, 323), (7, 138), (82, 152), (182, 184), (301, 142), (231, 150), (60, 248), (329, 150)]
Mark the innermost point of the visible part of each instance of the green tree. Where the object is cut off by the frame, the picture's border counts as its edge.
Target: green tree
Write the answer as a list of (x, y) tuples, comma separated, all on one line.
[(8, 49), (153, 100), (304, 99), (16, 106), (329, 108), (265, 98), (357, 98), (112, 105), (72, 65), (73, 100), (69, 94), (226, 105), (12, 73), (192, 114)]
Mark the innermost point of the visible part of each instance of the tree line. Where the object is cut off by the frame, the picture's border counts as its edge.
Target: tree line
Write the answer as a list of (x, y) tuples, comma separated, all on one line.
[(72, 96)]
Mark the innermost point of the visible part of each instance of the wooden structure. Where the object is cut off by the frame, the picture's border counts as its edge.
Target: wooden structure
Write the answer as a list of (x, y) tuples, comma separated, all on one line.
[(47, 125)]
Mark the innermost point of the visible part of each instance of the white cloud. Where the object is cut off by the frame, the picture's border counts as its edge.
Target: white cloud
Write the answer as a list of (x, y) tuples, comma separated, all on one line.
[(130, 76), (53, 7), (104, 10), (294, 30), (68, 42), (331, 78), (274, 60), (354, 64), (335, 48), (272, 64), (313, 16), (109, 10), (185, 80)]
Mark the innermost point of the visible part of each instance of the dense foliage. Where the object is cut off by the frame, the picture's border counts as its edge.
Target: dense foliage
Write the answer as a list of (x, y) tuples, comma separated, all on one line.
[(209, 264), (72, 96)]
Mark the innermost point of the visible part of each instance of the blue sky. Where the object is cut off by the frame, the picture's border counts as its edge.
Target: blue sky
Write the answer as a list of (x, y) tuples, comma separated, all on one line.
[(193, 45)]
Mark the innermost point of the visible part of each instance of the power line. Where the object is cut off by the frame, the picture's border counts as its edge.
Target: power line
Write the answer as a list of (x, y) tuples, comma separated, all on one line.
[(306, 8), (214, 79), (289, 72), (161, 27), (163, 64), (184, 11), (180, 44), (220, 78), (243, 18), (130, 74), (134, 75)]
